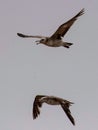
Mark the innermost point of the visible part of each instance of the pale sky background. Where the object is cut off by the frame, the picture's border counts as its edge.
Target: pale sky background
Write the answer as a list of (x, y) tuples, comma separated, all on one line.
[(27, 69)]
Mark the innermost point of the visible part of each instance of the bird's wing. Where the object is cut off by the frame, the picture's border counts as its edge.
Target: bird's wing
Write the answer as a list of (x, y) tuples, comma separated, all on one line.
[(30, 36), (68, 113), (36, 105), (60, 32)]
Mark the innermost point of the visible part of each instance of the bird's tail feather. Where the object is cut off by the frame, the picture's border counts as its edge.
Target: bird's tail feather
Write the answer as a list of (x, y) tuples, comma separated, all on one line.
[(67, 44)]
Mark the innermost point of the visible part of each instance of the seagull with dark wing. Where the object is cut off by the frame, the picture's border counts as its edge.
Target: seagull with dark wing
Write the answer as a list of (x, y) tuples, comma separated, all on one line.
[(51, 100), (56, 39)]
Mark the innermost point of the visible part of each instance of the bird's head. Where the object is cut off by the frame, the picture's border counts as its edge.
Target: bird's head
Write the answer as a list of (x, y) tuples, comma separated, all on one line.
[(42, 41)]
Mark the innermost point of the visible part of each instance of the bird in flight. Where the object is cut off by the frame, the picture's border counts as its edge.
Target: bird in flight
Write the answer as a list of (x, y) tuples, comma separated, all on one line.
[(51, 100), (56, 39)]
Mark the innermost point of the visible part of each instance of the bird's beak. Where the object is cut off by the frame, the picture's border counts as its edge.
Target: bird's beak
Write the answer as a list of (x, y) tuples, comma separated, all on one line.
[(37, 42)]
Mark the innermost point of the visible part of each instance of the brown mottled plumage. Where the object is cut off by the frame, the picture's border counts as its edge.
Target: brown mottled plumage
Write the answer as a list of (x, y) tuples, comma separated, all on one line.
[(51, 100), (56, 39)]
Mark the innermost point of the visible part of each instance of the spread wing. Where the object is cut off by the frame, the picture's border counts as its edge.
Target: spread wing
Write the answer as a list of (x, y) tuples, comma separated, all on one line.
[(62, 30), (36, 105), (68, 113), (29, 36)]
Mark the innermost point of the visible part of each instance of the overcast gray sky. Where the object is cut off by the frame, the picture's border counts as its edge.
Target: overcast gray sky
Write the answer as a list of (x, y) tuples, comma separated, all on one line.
[(27, 69)]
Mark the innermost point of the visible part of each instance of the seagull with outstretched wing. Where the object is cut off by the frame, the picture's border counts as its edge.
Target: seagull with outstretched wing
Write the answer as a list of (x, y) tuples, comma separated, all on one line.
[(56, 39), (51, 100)]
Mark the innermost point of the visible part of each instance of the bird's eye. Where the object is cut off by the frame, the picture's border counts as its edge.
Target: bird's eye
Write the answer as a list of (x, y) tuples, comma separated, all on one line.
[(42, 40)]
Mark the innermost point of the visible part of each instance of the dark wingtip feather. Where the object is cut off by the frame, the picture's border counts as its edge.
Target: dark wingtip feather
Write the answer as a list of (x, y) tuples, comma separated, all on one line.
[(20, 35), (81, 12)]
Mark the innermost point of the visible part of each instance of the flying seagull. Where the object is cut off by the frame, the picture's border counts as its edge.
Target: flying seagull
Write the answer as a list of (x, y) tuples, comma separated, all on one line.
[(56, 39), (51, 100)]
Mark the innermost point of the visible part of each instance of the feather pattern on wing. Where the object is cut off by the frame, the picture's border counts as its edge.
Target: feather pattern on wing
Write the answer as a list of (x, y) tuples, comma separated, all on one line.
[(51, 100), (29, 36), (60, 32)]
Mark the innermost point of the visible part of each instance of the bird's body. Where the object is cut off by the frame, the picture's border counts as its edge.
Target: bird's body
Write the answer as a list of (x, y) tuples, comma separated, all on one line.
[(55, 43), (56, 39), (52, 100), (48, 100)]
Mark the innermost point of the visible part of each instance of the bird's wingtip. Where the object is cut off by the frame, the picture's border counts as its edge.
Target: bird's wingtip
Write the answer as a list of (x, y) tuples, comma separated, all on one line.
[(20, 35), (82, 11)]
